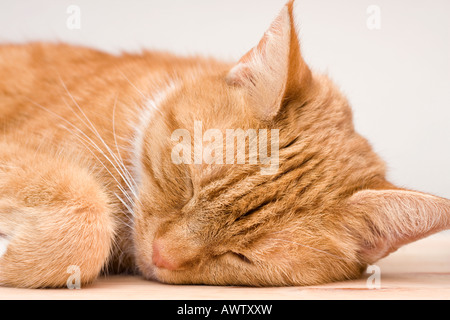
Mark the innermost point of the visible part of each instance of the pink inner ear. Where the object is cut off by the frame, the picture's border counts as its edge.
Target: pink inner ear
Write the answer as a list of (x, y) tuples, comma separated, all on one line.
[(242, 72), (239, 75)]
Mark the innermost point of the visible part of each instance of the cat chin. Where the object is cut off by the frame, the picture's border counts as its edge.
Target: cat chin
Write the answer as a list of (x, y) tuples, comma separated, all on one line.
[(149, 273), (162, 275)]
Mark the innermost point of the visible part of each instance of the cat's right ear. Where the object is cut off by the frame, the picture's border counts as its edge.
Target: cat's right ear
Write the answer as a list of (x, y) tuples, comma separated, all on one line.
[(274, 71), (388, 219)]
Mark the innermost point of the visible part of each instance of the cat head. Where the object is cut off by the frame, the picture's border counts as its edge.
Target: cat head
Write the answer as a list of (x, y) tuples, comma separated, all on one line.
[(323, 214)]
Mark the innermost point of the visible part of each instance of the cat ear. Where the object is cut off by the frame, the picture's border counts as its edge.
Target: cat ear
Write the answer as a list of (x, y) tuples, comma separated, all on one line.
[(274, 70), (393, 218)]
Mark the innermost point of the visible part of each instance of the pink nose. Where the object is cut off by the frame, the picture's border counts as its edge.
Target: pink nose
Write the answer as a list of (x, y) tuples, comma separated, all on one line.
[(160, 259)]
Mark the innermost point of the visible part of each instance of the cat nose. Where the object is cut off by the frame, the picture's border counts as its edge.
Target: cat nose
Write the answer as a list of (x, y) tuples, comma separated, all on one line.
[(160, 258)]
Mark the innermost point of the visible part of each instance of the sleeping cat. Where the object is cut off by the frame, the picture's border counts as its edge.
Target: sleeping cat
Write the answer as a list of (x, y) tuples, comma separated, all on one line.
[(88, 176)]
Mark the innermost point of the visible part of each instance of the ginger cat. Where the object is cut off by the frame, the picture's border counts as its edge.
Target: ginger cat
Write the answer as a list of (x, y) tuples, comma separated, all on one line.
[(88, 177)]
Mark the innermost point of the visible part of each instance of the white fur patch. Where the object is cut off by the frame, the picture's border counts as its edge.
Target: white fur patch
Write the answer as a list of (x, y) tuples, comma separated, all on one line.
[(149, 110), (3, 245)]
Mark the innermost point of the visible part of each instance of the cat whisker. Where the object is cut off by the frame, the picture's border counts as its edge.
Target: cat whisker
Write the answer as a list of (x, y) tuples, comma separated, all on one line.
[(85, 141), (146, 98), (89, 124), (132, 84), (129, 175), (126, 206)]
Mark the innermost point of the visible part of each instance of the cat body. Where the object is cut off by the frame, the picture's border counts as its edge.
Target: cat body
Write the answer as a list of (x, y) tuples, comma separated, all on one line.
[(88, 177), (59, 124)]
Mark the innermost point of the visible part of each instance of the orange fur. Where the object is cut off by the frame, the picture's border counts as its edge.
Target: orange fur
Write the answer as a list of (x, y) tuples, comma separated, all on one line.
[(87, 178)]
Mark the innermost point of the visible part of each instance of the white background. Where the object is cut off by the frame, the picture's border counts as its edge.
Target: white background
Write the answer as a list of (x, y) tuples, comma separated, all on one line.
[(397, 78)]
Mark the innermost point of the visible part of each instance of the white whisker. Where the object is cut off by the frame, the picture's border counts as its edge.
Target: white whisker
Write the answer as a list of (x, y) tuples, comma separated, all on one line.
[(127, 172), (90, 125), (125, 204), (85, 141)]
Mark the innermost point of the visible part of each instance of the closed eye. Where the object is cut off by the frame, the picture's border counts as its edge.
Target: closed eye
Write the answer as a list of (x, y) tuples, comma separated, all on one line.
[(241, 257), (255, 209)]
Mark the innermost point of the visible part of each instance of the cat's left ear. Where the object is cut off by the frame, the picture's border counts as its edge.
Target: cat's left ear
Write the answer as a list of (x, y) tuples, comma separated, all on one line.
[(274, 71)]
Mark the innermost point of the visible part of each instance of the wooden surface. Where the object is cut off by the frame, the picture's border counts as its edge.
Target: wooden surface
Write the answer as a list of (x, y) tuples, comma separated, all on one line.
[(418, 271)]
